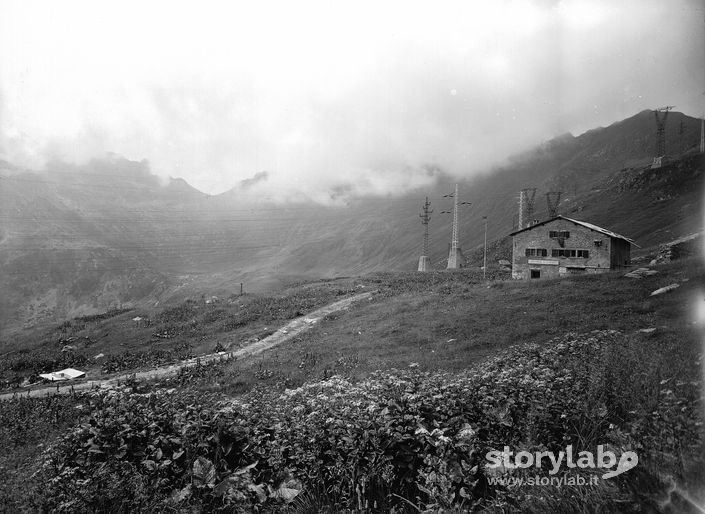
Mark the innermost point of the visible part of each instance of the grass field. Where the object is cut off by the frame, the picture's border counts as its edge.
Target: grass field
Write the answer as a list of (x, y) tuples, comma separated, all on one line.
[(124, 340), (448, 321), (539, 365)]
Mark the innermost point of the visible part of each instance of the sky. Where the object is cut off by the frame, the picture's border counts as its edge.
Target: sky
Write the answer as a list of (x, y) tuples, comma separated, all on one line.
[(366, 97)]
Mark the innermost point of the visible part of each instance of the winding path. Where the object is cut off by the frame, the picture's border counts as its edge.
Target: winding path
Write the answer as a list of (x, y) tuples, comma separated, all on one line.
[(287, 332)]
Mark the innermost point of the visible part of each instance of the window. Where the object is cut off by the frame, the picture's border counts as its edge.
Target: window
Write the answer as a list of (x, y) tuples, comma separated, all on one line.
[(536, 252), (535, 273), (583, 253), (597, 243), (559, 234), (566, 252)]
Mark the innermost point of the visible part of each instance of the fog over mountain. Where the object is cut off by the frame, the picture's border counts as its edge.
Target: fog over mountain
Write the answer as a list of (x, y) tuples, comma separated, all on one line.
[(82, 239), (325, 102)]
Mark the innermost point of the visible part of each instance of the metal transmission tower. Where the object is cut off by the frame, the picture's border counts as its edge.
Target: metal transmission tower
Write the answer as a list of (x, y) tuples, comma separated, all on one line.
[(661, 115), (530, 197), (484, 257), (526, 207), (455, 255), (553, 198), (521, 210), (424, 260), (702, 133)]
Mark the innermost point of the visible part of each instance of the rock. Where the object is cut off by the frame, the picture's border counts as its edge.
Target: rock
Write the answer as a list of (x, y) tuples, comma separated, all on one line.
[(641, 272), (647, 330), (99, 356), (662, 290), (680, 248)]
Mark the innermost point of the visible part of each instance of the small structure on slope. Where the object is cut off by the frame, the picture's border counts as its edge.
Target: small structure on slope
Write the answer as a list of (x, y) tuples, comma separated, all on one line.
[(64, 374), (563, 246)]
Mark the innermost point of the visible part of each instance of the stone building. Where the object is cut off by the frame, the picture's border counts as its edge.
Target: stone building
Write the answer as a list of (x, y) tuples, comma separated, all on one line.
[(563, 246)]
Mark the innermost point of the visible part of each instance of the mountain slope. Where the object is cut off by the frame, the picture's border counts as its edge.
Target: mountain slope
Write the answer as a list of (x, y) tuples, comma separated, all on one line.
[(83, 239)]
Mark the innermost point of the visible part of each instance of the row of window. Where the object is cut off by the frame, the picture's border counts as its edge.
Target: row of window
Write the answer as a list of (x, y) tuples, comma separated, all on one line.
[(558, 234), (536, 252), (565, 252), (557, 252)]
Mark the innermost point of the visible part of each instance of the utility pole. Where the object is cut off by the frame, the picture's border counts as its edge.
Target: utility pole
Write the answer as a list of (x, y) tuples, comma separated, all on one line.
[(455, 255), (424, 260), (484, 259)]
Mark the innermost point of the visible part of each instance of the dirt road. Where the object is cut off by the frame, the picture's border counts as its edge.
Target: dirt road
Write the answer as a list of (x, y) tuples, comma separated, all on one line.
[(287, 332)]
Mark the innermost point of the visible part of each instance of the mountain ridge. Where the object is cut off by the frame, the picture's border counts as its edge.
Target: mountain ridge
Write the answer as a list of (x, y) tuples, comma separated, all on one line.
[(81, 244)]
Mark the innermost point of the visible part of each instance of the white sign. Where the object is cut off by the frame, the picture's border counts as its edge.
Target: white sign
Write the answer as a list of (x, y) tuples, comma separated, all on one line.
[(538, 261)]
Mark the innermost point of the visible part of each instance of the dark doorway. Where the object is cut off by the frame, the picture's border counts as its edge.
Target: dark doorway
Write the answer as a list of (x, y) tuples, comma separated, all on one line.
[(535, 273)]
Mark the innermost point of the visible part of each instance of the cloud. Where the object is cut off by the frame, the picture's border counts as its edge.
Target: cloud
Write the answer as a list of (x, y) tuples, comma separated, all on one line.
[(332, 99), (257, 178)]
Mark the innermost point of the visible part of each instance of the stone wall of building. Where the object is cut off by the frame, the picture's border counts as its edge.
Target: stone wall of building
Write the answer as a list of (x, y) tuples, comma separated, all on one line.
[(597, 245)]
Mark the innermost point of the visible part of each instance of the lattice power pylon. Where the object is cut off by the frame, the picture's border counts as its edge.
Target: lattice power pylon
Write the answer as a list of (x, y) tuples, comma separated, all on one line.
[(424, 260), (455, 254), (526, 207), (553, 198), (661, 115)]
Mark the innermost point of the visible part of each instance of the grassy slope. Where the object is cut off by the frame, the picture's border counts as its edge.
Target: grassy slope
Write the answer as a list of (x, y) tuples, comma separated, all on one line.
[(440, 320), (228, 322), (450, 321)]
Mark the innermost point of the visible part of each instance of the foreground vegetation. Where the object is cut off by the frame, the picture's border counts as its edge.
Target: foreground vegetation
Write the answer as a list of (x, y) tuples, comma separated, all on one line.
[(379, 423)]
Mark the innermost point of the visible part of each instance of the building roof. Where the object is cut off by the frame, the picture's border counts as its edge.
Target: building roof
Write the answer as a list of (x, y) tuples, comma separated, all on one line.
[(64, 374), (582, 223)]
